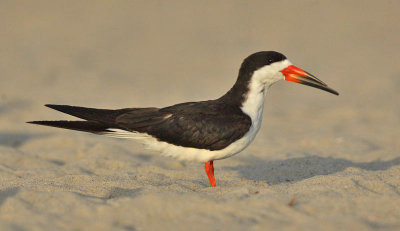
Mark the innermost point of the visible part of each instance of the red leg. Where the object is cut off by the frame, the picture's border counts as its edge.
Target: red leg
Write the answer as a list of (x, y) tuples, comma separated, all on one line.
[(209, 166)]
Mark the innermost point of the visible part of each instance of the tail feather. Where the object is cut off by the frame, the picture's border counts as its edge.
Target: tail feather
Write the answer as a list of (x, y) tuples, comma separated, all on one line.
[(85, 126), (102, 121), (100, 115)]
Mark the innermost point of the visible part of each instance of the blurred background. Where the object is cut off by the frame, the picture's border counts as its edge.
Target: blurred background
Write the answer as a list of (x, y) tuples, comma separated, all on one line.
[(115, 54)]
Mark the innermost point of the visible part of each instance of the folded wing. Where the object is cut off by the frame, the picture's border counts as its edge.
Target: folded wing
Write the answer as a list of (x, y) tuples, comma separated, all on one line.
[(197, 125)]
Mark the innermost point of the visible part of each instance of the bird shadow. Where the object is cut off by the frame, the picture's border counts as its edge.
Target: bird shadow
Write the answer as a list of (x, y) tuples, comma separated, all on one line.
[(16, 139), (115, 192), (10, 192), (297, 169)]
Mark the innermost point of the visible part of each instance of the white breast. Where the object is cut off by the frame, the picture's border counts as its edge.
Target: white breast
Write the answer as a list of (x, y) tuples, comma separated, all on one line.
[(259, 83)]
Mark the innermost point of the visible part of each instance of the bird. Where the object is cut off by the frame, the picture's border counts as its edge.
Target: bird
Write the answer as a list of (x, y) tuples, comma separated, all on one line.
[(203, 131)]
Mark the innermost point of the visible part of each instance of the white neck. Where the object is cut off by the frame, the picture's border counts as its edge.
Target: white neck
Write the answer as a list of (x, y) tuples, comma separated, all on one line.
[(259, 83)]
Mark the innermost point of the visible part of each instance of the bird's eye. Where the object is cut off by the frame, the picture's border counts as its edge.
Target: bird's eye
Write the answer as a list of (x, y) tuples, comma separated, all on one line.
[(270, 60)]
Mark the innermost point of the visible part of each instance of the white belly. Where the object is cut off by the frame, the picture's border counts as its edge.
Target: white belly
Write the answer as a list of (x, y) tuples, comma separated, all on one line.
[(187, 153)]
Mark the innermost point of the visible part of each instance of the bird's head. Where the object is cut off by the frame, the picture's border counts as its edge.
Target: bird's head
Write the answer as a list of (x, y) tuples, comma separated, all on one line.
[(267, 67)]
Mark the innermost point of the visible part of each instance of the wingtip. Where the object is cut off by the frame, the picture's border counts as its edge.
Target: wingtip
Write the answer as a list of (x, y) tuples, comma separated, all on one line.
[(51, 105), (36, 122)]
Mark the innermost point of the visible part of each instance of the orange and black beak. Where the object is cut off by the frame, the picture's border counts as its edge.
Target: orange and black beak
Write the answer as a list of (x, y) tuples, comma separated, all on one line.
[(297, 75)]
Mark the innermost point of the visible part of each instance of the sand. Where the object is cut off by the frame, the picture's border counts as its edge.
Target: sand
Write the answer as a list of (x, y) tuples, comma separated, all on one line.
[(320, 162)]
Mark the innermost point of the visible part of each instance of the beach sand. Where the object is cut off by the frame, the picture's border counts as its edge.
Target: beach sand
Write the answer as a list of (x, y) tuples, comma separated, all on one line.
[(319, 162)]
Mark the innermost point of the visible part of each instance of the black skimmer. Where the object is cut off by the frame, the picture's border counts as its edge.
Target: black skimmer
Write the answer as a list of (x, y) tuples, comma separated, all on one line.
[(197, 131)]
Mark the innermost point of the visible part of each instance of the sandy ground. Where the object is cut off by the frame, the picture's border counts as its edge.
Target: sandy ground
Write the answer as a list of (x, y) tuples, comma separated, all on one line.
[(339, 157)]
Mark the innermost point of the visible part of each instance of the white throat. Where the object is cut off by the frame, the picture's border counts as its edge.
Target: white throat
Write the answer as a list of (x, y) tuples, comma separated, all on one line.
[(260, 81)]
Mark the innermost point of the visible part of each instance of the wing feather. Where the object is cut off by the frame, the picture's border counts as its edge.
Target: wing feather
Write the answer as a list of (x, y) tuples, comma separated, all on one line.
[(207, 125)]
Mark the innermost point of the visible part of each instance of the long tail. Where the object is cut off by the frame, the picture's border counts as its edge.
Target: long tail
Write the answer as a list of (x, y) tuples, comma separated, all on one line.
[(92, 114), (85, 126), (101, 121), (97, 120)]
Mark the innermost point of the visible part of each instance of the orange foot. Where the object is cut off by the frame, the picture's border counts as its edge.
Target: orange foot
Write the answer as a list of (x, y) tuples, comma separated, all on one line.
[(210, 172)]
